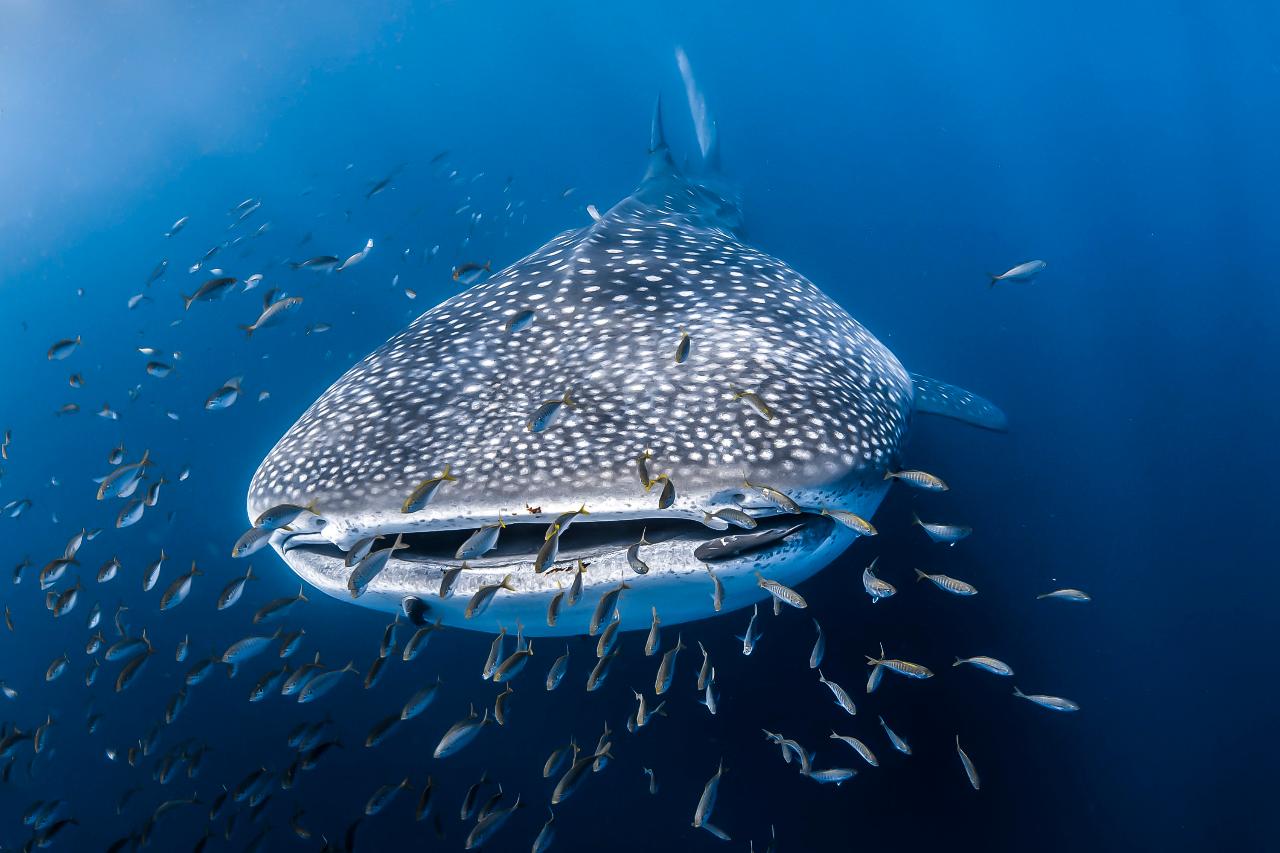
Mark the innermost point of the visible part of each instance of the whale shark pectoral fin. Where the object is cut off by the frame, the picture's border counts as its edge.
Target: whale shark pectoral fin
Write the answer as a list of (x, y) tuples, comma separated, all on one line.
[(950, 401)]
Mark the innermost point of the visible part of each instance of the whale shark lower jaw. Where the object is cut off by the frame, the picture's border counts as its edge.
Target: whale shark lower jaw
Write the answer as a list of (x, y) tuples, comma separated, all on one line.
[(679, 583)]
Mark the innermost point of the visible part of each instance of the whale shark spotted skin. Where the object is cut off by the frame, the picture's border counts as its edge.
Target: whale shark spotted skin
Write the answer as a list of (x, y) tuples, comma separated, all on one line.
[(611, 302)]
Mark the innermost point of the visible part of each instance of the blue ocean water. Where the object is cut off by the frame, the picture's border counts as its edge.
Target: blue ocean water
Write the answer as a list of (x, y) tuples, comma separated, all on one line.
[(893, 154)]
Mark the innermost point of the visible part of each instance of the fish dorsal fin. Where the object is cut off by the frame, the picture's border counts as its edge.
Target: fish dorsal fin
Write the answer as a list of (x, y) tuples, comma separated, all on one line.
[(949, 401)]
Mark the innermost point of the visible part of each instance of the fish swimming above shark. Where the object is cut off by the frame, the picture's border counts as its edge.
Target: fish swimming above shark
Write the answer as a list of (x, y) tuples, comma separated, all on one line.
[(593, 317)]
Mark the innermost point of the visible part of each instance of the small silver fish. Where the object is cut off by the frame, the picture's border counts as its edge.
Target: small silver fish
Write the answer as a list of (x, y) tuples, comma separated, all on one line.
[(1024, 272), (1067, 595), (948, 584), (842, 697), (918, 479), (515, 662), (480, 542), (773, 496), (278, 607), (948, 534), (484, 595), (682, 348), (461, 733), (152, 572), (1053, 703), (667, 496), (757, 403), (667, 668), (710, 699), (273, 314), (359, 551), (736, 517), (324, 682), (425, 491), (283, 516), (783, 594), (371, 566), (449, 577), (495, 654), (901, 746), (707, 804), (992, 665), (608, 637), (605, 606), (638, 565), (859, 747), (902, 667), (851, 520), (749, 639), (704, 672), (717, 592), (836, 775), (652, 642), (601, 671), (575, 589), (556, 673), (553, 608), (547, 553), (550, 413), (819, 648), (642, 468), (212, 290), (63, 348), (875, 587), (418, 702), (576, 773), (969, 769), (500, 705), (179, 589), (520, 320), (232, 592)]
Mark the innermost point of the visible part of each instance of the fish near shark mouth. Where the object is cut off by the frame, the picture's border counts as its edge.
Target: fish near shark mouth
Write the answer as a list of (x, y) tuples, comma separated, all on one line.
[(684, 559)]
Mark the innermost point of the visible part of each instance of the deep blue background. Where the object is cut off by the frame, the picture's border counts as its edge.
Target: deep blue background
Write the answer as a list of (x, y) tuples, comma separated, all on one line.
[(892, 153)]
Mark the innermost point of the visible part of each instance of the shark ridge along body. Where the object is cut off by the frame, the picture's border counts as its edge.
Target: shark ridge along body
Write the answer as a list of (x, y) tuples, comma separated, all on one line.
[(458, 389)]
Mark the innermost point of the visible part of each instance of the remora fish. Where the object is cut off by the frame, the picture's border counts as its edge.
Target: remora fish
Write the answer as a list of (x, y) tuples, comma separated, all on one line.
[(460, 384)]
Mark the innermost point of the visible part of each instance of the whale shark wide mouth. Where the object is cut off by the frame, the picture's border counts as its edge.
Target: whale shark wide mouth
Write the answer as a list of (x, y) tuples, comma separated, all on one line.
[(586, 540)]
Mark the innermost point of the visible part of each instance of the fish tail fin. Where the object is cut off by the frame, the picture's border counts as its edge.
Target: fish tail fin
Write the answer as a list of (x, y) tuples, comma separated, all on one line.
[(994, 278), (186, 301), (568, 400), (1045, 595), (146, 458), (915, 518), (447, 474), (488, 266), (248, 330), (920, 575), (1018, 693), (958, 662), (302, 589), (506, 584)]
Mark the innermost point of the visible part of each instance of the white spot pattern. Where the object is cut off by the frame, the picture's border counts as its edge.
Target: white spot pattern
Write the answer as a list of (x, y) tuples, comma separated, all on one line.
[(455, 388)]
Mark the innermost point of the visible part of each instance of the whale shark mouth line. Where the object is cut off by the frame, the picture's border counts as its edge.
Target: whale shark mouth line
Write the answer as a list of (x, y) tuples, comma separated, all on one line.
[(586, 540)]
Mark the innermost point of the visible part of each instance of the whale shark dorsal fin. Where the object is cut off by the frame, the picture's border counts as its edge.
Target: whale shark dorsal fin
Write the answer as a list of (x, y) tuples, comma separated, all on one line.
[(950, 401), (660, 162)]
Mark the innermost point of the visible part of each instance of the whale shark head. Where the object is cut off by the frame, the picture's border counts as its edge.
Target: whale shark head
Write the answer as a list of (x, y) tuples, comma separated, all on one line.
[(539, 388)]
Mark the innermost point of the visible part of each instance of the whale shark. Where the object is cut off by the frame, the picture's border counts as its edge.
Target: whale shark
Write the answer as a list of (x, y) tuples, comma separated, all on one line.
[(655, 337)]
